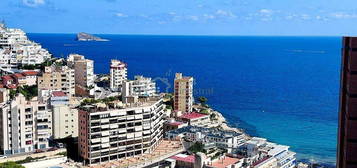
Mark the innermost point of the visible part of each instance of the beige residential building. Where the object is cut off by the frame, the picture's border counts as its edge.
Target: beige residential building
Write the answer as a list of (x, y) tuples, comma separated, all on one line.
[(65, 118), (183, 94), (57, 78), (118, 75), (114, 133), (83, 69), (65, 121), (24, 125)]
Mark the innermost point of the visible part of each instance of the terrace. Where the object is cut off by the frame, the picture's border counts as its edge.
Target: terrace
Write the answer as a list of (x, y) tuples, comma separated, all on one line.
[(165, 149)]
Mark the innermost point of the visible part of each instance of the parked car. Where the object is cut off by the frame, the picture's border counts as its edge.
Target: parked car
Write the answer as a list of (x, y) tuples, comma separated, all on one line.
[(3, 157)]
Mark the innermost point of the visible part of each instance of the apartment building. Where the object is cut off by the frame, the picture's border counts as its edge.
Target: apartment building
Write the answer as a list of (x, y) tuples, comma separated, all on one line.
[(57, 78), (209, 136), (28, 78), (16, 49), (118, 74), (64, 116), (24, 125), (260, 152), (83, 69), (347, 125), (119, 132), (183, 94), (140, 86)]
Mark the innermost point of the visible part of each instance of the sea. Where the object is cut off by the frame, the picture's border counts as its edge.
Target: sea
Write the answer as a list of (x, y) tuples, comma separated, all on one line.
[(285, 89)]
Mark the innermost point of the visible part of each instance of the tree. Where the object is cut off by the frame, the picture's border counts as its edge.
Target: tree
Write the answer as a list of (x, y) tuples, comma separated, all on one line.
[(197, 147), (202, 100), (10, 164)]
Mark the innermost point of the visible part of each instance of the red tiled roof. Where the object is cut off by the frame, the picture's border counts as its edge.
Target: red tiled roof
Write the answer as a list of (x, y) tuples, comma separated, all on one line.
[(192, 115), (30, 73), (7, 77), (18, 75), (224, 162), (176, 123), (58, 94), (189, 159)]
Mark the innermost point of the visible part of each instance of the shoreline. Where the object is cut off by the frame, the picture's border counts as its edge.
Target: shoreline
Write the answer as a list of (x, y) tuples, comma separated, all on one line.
[(223, 123)]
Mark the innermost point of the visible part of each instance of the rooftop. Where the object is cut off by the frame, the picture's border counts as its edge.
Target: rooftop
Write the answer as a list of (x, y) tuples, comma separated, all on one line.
[(175, 123), (184, 158), (58, 94), (30, 73), (193, 115), (224, 162), (211, 132)]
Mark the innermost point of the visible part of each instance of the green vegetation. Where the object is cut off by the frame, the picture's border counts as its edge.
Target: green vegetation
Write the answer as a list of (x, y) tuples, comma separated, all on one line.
[(204, 111), (197, 147), (29, 159), (202, 100), (170, 101), (10, 165), (106, 100), (42, 66), (213, 116), (28, 91)]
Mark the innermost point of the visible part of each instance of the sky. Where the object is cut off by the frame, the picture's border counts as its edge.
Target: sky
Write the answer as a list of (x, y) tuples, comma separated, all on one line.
[(184, 17)]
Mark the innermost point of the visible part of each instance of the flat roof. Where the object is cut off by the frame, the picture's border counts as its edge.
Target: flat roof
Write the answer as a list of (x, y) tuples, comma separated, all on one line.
[(224, 162), (193, 115), (184, 158)]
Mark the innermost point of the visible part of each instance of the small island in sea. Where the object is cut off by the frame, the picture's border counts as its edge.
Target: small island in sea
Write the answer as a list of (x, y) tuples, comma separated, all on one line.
[(88, 37)]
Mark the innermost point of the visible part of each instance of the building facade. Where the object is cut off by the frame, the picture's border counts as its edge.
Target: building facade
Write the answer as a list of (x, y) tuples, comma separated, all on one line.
[(183, 93), (107, 134), (24, 126), (118, 75), (83, 70), (347, 131), (57, 78), (16, 49), (141, 87), (65, 118)]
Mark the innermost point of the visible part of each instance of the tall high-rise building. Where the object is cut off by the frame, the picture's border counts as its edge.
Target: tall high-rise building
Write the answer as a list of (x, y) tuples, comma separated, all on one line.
[(118, 74), (183, 93), (110, 133), (25, 125), (83, 69), (57, 78), (347, 133)]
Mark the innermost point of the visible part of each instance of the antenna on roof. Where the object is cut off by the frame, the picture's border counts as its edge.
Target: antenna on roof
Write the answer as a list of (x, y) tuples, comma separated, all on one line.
[(2, 23)]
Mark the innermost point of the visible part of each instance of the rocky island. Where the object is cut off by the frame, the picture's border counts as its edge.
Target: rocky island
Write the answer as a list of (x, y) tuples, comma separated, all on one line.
[(88, 37)]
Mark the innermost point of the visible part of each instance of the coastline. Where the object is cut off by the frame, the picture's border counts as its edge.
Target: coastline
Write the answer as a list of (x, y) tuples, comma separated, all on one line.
[(223, 123)]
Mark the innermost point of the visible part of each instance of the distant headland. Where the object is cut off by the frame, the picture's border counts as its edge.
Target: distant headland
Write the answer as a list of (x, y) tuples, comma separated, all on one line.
[(88, 37)]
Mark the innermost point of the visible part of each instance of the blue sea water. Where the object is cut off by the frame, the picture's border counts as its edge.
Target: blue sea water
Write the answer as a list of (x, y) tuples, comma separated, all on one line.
[(281, 88)]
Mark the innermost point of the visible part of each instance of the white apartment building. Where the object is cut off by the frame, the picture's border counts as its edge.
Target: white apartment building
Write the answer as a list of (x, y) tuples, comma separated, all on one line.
[(57, 78), (209, 136), (16, 48), (183, 94), (260, 151), (83, 69), (141, 86), (118, 74), (126, 131), (24, 125)]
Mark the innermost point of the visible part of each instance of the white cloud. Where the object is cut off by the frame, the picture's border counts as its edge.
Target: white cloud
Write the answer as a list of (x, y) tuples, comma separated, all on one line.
[(343, 15), (223, 13), (209, 16), (266, 11), (33, 3), (194, 18), (305, 17), (122, 15)]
